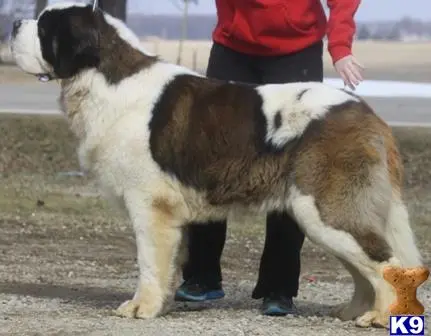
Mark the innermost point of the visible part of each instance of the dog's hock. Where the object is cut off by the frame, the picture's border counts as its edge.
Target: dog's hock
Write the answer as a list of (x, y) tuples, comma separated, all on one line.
[(406, 281)]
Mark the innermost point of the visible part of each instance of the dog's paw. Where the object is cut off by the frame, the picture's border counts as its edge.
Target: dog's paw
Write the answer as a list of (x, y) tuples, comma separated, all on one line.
[(344, 312), (373, 319), (138, 309)]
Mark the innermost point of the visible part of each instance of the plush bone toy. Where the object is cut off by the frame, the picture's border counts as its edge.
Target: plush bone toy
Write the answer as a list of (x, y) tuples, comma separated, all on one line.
[(406, 281)]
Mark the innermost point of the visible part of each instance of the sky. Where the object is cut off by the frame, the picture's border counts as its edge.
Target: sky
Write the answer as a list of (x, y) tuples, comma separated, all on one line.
[(368, 10)]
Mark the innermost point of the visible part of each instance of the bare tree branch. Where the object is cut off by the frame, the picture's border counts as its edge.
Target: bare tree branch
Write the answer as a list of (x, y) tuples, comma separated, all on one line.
[(176, 5), (40, 5)]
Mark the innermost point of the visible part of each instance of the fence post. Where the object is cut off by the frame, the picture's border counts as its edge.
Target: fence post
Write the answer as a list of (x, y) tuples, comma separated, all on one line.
[(195, 59), (156, 46)]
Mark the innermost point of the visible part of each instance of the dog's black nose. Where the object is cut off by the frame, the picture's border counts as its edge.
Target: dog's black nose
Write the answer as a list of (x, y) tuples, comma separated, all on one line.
[(16, 25)]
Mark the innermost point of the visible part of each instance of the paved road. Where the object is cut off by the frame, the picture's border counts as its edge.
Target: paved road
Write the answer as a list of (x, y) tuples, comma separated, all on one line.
[(29, 98), (42, 98)]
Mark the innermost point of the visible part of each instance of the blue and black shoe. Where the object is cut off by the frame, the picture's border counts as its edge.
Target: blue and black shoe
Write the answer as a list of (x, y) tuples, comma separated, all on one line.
[(194, 292), (278, 306)]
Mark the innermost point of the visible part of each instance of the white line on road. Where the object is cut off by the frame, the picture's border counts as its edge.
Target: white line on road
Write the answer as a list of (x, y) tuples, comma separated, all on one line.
[(28, 111), (408, 124)]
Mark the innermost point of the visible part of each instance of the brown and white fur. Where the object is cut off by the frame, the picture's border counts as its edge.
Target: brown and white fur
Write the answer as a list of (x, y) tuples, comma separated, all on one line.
[(171, 147)]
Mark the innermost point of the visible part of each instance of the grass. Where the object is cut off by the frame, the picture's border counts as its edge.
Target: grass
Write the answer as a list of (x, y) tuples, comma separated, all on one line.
[(36, 144), (45, 145)]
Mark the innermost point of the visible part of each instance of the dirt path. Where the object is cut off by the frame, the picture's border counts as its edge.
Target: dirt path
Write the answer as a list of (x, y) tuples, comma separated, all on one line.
[(66, 262)]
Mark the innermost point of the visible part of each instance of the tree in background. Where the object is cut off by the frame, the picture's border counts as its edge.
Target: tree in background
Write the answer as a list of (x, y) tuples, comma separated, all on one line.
[(363, 33), (40, 5), (395, 33), (116, 8), (184, 26)]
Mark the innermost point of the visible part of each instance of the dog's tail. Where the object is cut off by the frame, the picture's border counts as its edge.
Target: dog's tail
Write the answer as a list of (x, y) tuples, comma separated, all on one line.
[(382, 209)]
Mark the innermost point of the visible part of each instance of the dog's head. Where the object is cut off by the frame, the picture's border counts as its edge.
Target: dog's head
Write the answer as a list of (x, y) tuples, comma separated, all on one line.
[(67, 38), (61, 42)]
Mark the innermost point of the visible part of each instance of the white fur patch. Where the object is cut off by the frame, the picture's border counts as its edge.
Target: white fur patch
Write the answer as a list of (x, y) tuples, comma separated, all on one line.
[(106, 104), (297, 114), (26, 49), (400, 235)]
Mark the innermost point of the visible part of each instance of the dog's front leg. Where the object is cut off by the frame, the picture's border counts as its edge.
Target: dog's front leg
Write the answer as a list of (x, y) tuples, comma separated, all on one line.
[(158, 236)]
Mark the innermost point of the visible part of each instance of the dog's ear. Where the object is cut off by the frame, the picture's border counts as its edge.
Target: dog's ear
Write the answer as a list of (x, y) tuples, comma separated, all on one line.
[(75, 46)]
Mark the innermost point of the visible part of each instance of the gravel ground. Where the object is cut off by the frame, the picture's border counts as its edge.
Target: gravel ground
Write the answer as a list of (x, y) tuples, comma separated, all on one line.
[(66, 260), (235, 315)]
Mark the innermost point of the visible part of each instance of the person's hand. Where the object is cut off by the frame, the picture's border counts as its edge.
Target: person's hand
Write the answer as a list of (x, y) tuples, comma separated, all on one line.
[(350, 70)]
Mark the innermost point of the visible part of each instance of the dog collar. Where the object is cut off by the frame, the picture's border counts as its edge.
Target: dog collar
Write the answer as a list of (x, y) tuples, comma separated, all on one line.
[(45, 78)]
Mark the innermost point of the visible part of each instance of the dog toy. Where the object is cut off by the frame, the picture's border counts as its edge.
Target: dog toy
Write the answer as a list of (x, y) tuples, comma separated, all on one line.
[(406, 281)]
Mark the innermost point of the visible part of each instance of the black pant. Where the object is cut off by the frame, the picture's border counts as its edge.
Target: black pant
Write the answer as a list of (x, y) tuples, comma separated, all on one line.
[(280, 263)]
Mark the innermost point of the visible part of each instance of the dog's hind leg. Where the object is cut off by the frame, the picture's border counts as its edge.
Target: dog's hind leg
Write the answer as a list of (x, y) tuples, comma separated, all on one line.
[(353, 249), (400, 235), (363, 296), (158, 237), (403, 252)]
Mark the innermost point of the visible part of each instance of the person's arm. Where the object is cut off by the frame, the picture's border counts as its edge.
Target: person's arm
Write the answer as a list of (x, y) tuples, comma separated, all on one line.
[(340, 32), (341, 27)]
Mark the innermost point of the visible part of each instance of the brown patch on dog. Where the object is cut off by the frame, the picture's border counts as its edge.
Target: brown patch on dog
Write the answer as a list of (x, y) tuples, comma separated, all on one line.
[(211, 136), (373, 244), (118, 59), (336, 161), (406, 281), (394, 161), (162, 205)]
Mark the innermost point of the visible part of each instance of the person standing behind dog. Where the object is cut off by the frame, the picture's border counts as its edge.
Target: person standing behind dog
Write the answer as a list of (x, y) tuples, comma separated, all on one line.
[(259, 42)]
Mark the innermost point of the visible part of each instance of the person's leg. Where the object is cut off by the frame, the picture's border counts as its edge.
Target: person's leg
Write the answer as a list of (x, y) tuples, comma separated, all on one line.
[(279, 271), (302, 66), (202, 272)]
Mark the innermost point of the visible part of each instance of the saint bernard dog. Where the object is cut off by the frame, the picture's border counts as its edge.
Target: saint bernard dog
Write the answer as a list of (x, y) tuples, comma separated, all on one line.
[(171, 146)]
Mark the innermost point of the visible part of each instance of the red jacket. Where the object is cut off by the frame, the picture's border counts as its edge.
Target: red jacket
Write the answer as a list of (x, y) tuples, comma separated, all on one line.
[(275, 27)]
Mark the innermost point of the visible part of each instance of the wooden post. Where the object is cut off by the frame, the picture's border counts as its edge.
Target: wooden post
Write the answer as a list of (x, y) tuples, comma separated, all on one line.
[(183, 31), (195, 59), (40, 5)]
